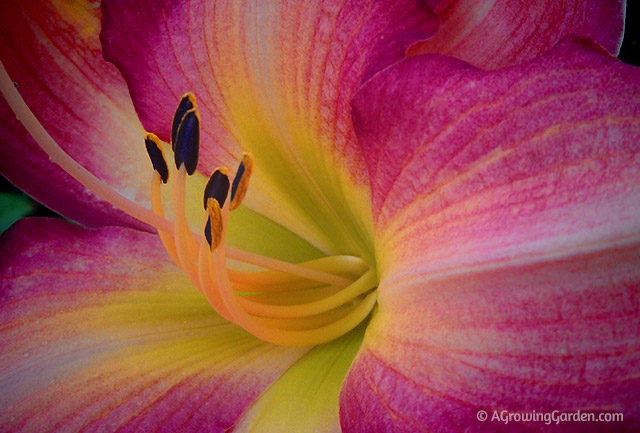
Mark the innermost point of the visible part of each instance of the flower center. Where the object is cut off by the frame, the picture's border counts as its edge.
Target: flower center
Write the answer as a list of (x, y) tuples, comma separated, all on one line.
[(289, 304), (299, 304)]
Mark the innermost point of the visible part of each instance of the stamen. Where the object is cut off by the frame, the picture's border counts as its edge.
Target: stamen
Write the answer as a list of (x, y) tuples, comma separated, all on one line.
[(324, 315), (268, 281), (284, 335), (292, 304), (205, 265), (306, 323), (241, 180), (156, 204), (217, 187), (215, 194), (312, 330), (156, 154), (213, 230), (287, 289), (186, 246), (188, 102), (187, 144), (289, 268), (61, 158), (291, 297), (361, 286), (318, 335), (327, 302)]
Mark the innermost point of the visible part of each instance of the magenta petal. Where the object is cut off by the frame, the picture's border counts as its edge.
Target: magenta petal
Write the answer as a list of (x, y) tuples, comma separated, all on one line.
[(275, 79), (52, 53), (261, 71), (496, 33), (101, 332), (508, 244), (27, 166), (470, 167), (554, 336)]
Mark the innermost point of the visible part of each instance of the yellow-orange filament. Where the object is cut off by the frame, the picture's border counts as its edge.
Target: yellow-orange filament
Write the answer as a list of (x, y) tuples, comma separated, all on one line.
[(97, 186), (289, 304), (284, 303), (156, 205), (185, 244), (317, 315)]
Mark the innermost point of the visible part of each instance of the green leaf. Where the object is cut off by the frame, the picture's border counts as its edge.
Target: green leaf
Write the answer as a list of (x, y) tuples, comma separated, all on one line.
[(12, 208)]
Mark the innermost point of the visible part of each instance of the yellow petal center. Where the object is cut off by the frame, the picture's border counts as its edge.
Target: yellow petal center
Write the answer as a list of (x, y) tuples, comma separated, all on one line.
[(299, 304), (284, 303)]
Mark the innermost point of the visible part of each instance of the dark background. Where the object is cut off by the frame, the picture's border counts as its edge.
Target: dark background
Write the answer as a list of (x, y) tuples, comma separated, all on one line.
[(14, 204), (630, 52)]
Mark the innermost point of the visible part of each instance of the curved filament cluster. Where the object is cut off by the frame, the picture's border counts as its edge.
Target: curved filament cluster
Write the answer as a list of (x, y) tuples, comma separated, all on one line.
[(289, 304)]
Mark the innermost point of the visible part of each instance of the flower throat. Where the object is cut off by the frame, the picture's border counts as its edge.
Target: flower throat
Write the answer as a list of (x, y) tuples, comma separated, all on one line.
[(283, 303), (289, 304)]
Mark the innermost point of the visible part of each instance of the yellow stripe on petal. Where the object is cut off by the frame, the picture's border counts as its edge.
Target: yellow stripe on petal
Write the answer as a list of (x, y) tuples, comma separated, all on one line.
[(274, 79), (101, 331), (305, 398)]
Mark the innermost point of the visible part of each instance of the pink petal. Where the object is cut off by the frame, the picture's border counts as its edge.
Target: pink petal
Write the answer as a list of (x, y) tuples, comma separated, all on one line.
[(495, 33), (469, 167), (279, 62), (52, 53), (276, 79), (101, 332), (508, 239), (556, 335)]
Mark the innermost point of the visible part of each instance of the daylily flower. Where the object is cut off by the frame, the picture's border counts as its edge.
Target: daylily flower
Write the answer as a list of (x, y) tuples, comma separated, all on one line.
[(422, 238)]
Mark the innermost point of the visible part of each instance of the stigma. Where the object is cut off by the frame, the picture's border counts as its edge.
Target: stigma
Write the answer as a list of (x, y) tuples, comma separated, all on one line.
[(292, 304)]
